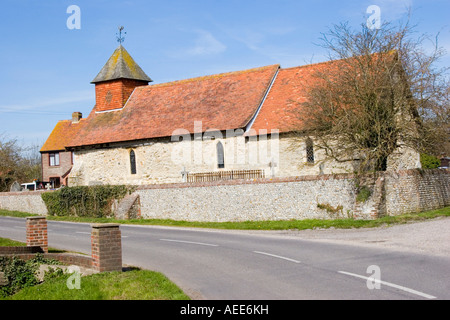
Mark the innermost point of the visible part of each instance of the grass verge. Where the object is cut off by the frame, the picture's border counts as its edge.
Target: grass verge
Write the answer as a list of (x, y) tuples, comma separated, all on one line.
[(11, 243), (262, 225), (136, 284), (129, 285)]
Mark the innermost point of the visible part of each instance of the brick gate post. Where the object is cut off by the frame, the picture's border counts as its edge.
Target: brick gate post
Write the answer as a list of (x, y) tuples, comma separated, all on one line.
[(37, 233), (106, 247)]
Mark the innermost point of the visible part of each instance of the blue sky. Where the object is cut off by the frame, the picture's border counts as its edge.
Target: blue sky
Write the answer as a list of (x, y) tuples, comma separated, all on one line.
[(46, 68)]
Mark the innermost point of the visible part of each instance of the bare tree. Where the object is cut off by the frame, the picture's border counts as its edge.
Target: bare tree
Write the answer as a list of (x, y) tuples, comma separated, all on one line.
[(381, 91), (17, 163)]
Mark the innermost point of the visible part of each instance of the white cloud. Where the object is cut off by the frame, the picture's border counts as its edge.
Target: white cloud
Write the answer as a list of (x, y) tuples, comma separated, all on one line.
[(48, 106), (206, 44), (252, 39)]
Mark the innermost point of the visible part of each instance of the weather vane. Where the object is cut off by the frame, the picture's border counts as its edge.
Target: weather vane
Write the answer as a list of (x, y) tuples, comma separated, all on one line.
[(120, 38)]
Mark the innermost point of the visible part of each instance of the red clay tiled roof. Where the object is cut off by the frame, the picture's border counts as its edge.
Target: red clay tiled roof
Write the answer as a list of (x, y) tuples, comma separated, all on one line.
[(61, 135), (221, 102), (281, 109)]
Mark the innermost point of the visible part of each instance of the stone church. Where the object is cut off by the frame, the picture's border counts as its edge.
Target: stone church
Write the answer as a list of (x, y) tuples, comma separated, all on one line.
[(236, 125)]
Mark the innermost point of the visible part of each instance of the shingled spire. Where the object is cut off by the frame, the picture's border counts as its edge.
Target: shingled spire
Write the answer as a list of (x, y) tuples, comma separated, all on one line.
[(116, 81)]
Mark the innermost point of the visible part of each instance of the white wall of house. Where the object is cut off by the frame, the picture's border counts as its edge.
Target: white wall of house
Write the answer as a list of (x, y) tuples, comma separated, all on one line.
[(160, 162)]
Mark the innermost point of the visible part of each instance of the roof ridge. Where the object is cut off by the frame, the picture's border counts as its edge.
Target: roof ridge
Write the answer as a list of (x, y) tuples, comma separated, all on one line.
[(70, 121), (212, 76), (312, 64), (337, 60)]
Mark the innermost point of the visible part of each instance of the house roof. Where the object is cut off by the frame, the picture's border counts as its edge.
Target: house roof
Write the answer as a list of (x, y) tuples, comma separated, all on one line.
[(221, 102), (61, 135), (121, 66)]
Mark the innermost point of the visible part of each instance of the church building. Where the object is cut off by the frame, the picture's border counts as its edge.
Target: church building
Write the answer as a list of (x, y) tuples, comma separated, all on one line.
[(236, 125)]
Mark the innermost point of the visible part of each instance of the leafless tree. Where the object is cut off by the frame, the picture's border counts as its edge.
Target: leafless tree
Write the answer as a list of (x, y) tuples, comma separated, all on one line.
[(381, 91), (17, 163)]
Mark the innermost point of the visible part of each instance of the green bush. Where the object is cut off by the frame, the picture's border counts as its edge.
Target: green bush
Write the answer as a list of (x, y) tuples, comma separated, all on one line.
[(94, 201), (363, 194), (429, 161), (20, 273)]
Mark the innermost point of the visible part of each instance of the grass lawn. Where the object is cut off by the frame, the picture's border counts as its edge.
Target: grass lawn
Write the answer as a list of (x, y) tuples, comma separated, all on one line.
[(11, 243), (129, 285)]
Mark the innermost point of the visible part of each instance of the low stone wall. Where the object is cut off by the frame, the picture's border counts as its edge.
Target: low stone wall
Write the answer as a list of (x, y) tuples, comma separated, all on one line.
[(30, 202), (31, 250), (307, 197), (66, 258), (416, 190)]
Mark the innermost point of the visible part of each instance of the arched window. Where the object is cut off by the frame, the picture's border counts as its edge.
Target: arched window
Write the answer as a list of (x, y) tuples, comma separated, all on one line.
[(309, 151), (133, 162), (220, 156)]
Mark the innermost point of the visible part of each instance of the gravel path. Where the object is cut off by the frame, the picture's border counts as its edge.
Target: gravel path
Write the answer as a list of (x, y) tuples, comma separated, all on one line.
[(430, 237)]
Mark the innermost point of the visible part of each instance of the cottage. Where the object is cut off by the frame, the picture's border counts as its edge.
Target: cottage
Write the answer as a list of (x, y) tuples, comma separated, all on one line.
[(57, 162)]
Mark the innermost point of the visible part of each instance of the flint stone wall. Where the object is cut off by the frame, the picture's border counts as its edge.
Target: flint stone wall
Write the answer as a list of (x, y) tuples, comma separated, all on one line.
[(30, 202), (263, 199), (305, 197)]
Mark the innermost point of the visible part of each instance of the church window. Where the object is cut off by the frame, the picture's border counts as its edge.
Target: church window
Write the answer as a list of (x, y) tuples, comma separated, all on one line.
[(133, 162), (220, 156), (310, 151)]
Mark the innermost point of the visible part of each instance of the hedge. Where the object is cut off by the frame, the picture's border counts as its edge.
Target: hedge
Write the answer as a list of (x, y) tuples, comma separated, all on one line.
[(92, 201)]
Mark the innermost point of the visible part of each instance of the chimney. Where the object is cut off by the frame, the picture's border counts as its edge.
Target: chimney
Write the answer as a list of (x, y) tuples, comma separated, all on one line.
[(76, 117)]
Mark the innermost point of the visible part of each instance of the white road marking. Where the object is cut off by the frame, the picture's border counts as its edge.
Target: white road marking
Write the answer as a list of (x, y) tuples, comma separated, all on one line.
[(82, 232), (190, 242), (275, 256), (390, 285)]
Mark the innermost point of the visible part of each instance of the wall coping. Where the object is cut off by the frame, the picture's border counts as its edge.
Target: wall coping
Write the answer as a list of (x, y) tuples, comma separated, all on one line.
[(36, 217), (341, 176), (105, 225), (24, 193)]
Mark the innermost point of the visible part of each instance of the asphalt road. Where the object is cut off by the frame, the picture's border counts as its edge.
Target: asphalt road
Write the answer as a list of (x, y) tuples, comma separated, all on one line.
[(228, 265)]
